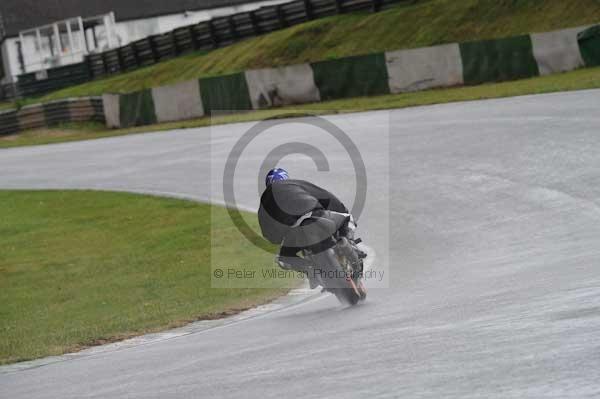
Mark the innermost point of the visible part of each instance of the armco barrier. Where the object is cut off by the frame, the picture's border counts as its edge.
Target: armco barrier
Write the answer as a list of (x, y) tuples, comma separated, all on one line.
[(9, 123), (56, 112), (86, 110), (31, 117)]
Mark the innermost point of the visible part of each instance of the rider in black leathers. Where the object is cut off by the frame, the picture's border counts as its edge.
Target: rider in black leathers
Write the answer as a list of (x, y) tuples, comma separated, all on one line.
[(283, 203)]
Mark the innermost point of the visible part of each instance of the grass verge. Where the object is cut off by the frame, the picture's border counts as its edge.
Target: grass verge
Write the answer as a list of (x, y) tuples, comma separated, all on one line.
[(425, 23), (575, 80), (79, 268)]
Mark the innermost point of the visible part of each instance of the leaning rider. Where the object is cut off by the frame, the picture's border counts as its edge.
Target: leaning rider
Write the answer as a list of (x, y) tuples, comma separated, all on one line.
[(284, 204)]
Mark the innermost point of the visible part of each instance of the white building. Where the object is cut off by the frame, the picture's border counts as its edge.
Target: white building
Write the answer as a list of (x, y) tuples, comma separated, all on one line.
[(39, 34)]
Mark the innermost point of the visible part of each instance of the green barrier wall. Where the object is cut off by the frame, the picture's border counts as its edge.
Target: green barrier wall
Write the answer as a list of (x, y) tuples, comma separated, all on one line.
[(225, 93), (589, 45), (498, 60), (136, 109), (364, 75)]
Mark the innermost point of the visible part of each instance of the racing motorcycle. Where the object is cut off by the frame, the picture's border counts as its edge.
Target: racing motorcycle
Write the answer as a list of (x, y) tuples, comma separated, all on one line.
[(328, 243)]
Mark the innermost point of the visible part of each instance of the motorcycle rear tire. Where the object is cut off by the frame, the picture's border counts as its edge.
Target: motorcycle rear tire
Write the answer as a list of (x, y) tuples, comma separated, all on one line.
[(347, 296), (342, 287)]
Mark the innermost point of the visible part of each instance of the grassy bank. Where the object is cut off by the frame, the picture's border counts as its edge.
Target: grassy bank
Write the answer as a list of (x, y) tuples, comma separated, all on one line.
[(79, 268), (428, 22), (576, 80)]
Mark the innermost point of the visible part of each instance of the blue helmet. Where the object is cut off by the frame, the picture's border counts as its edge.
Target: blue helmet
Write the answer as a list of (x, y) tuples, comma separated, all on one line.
[(274, 175)]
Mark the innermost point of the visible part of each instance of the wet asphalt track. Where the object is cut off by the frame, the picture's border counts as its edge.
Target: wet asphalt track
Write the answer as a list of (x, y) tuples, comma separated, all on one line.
[(494, 239)]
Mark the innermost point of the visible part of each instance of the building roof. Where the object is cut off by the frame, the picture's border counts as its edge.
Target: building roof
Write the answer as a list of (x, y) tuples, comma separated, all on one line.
[(18, 15)]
